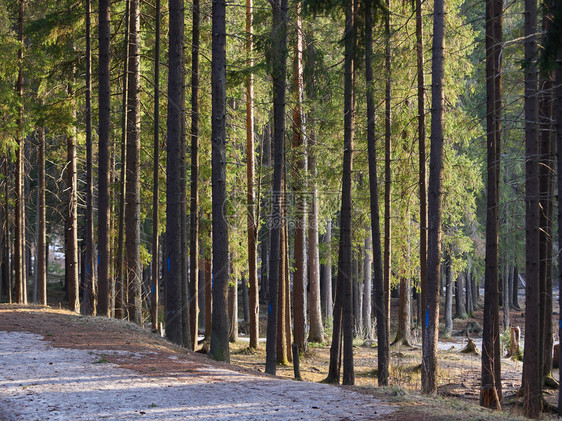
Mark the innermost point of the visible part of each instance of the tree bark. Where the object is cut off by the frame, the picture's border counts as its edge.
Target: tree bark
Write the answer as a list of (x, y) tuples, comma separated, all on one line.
[(328, 300), (344, 279), (194, 186), (173, 251), (71, 253), (19, 246), (41, 235), (278, 58), (156, 176), (387, 173), (250, 173), (448, 297), (282, 350), (316, 332), (532, 370), (219, 336), (460, 298), (515, 290), (546, 186), (89, 299), (132, 186), (120, 284), (421, 155), (379, 295), (367, 288), (558, 123), (233, 311), (435, 193)]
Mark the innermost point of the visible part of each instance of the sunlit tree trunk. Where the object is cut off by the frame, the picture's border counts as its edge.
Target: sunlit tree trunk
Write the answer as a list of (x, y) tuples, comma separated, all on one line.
[(435, 193), (132, 211), (219, 336), (278, 58), (120, 287), (41, 234), (387, 256), (89, 297), (19, 244), (328, 300), (316, 332), (156, 175), (421, 153), (71, 253), (194, 186), (250, 173)]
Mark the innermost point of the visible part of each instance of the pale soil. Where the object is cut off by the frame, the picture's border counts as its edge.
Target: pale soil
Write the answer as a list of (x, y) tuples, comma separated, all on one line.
[(86, 376), (68, 367)]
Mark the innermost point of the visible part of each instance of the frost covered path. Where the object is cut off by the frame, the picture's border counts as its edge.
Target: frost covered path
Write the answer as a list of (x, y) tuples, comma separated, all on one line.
[(42, 382)]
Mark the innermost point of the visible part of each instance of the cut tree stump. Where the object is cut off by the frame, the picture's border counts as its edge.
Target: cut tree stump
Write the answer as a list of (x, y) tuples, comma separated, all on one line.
[(514, 342), (470, 348)]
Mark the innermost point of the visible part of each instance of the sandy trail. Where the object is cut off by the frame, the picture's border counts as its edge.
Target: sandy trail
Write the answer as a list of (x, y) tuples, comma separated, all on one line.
[(41, 382)]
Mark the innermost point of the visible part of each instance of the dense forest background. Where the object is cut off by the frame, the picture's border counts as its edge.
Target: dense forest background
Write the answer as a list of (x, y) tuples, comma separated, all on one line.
[(163, 159)]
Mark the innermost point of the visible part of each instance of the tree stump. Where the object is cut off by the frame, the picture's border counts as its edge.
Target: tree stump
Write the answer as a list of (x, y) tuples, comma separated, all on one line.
[(514, 342), (470, 348), (489, 397)]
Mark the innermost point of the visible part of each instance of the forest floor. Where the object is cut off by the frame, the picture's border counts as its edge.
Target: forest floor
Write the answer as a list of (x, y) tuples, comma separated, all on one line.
[(58, 365)]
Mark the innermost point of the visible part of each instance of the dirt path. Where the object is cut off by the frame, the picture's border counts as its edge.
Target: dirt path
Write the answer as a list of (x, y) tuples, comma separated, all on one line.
[(77, 368)]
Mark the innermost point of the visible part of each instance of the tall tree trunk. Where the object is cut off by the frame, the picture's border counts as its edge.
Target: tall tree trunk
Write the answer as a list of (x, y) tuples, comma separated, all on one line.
[(387, 173), (120, 287), (558, 122), (250, 173), (328, 300), (156, 175), (186, 299), (41, 234), (89, 298), (219, 337), (71, 253), (299, 173), (435, 193), (194, 193), (379, 301), (546, 187), (344, 305), (316, 332), (132, 211), (532, 370), (278, 58), (367, 287), (546, 166), (20, 275), (421, 155), (173, 250)]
